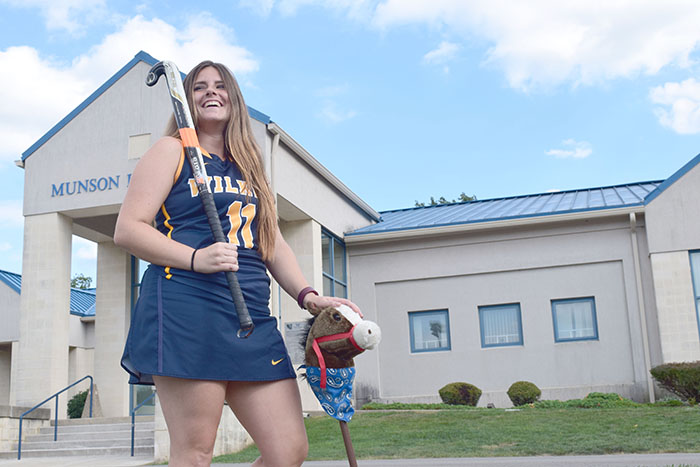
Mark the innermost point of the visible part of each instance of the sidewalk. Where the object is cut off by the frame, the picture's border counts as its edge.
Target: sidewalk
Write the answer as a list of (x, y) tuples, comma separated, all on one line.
[(616, 460)]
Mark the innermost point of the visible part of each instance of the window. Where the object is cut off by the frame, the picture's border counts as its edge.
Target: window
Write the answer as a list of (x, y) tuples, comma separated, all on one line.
[(334, 268), (501, 325), (430, 330), (574, 319), (695, 271)]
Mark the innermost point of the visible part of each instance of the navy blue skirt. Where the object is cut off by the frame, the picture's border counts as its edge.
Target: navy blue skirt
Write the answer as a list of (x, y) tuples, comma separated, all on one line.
[(188, 330)]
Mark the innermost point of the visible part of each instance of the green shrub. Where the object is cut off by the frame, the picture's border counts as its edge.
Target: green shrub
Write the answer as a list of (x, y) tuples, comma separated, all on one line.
[(594, 400), (460, 394), (682, 379), (666, 402), (523, 392), (76, 404), (413, 406)]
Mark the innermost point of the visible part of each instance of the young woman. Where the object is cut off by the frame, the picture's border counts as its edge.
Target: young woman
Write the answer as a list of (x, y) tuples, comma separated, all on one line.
[(183, 329)]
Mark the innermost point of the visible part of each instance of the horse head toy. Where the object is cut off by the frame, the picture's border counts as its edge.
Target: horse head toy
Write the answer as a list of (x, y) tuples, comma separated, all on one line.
[(336, 336)]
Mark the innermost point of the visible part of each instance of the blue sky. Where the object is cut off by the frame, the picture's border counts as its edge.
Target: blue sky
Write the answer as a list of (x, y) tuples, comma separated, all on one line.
[(401, 99)]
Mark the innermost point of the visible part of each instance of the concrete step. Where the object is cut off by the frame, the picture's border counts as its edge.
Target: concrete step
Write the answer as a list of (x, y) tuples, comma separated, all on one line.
[(97, 428), (80, 443), (102, 420), (120, 434), (89, 437), (99, 451)]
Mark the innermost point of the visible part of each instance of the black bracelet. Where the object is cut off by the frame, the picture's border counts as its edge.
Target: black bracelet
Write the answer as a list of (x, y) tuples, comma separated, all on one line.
[(192, 260)]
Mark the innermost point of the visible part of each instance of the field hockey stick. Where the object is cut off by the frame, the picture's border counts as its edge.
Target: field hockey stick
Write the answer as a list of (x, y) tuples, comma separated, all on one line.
[(183, 118)]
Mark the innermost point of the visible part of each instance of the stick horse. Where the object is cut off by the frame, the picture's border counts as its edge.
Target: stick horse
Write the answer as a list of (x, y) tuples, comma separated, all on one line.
[(335, 337)]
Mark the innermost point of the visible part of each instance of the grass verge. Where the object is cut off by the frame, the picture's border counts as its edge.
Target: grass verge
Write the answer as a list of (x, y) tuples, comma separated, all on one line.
[(495, 432)]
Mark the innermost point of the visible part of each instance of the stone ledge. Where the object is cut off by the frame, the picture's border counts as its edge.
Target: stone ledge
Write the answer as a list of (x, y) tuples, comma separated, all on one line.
[(11, 411)]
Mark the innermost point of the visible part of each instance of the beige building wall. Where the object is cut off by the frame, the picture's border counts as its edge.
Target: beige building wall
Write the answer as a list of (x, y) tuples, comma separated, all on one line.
[(9, 316), (81, 363), (677, 316), (529, 265), (674, 230), (304, 237), (40, 366), (113, 315)]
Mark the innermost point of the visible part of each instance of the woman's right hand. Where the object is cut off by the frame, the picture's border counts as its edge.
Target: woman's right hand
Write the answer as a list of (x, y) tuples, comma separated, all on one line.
[(217, 257)]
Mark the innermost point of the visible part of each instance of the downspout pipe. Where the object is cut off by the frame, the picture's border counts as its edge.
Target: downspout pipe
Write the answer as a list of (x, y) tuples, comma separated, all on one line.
[(273, 188), (642, 309)]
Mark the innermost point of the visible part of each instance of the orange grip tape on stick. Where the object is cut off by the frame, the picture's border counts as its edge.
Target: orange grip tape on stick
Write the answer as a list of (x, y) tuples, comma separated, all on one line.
[(189, 137)]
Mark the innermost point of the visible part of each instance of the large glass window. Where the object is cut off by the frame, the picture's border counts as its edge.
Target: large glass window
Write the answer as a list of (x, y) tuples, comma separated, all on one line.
[(695, 271), (501, 325), (335, 281), (574, 319), (430, 330)]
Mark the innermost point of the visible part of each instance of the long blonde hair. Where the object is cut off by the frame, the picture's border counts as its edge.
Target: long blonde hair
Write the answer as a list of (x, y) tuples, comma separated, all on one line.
[(241, 148)]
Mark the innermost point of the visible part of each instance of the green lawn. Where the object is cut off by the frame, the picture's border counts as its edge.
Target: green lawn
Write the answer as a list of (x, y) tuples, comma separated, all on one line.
[(496, 432)]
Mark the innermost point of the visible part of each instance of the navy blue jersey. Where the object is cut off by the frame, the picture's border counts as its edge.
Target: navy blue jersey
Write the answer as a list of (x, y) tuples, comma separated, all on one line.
[(182, 218)]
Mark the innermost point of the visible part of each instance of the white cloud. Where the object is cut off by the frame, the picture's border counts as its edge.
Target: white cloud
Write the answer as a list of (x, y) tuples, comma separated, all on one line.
[(679, 105), (261, 7), (547, 42), (37, 91), (445, 52), (68, 15), (574, 150), (5, 246), (332, 113), (11, 214), (333, 90), (84, 249), (331, 110), (542, 43), (355, 9)]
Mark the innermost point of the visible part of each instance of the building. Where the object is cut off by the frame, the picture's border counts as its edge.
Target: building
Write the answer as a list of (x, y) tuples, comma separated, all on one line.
[(575, 291), (81, 330)]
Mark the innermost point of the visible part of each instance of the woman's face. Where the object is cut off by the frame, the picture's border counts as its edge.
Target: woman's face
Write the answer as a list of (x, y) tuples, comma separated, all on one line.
[(210, 97)]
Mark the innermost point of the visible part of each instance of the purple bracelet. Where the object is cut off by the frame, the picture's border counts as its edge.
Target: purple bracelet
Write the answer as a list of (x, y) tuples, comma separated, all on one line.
[(304, 292)]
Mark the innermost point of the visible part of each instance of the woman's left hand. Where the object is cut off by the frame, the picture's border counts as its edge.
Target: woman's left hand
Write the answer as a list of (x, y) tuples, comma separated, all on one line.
[(317, 302)]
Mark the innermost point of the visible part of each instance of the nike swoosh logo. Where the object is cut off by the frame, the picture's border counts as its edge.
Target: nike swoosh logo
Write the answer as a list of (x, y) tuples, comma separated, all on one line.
[(275, 362)]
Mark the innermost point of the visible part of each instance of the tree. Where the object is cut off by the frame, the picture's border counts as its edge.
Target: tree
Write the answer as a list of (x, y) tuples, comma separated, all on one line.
[(436, 328), (463, 198), (81, 281)]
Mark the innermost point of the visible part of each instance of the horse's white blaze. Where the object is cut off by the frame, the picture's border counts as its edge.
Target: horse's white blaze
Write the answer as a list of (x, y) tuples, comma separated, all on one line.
[(367, 333), (348, 314)]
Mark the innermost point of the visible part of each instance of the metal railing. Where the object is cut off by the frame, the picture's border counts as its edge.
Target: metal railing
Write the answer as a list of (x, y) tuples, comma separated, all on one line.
[(55, 423), (133, 419)]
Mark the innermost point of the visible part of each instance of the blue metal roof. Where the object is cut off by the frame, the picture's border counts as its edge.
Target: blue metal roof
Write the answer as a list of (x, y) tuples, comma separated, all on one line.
[(82, 302), (543, 204), (11, 279), (139, 57)]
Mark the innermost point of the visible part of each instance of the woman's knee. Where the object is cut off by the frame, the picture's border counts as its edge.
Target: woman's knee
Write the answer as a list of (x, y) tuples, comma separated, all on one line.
[(195, 451), (293, 454)]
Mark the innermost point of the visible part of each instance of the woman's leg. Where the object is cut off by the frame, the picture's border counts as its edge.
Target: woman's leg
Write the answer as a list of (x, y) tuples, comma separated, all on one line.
[(192, 411), (271, 413)]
